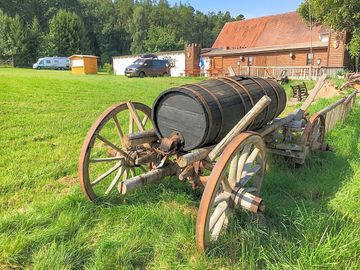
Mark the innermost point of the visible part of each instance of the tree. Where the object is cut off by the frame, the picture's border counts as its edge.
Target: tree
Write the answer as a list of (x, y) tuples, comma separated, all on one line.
[(138, 29), (339, 15), (34, 41), (67, 34), (5, 50), (18, 38), (163, 39)]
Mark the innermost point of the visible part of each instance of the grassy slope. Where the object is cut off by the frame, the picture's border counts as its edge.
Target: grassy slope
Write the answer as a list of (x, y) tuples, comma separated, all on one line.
[(311, 219)]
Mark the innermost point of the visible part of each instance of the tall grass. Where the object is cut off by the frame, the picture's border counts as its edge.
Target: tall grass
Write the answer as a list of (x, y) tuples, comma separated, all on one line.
[(311, 219)]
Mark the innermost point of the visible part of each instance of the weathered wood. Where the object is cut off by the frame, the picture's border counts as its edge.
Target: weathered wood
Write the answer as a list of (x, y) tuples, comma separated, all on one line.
[(193, 157), (276, 124), (311, 97), (188, 171), (205, 112), (151, 157), (135, 116), (146, 178), (140, 138), (240, 126)]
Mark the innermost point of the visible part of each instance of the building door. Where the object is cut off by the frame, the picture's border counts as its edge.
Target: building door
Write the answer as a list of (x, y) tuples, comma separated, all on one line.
[(260, 64), (217, 66)]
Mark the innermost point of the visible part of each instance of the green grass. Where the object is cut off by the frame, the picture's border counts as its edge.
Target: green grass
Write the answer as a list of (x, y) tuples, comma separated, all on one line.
[(311, 220)]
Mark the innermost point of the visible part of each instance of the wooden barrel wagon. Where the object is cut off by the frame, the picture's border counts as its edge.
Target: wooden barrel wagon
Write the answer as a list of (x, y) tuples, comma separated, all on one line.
[(215, 134)]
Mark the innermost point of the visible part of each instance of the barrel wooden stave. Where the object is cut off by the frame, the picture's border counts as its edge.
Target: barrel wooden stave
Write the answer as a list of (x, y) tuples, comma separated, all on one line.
[(205, 112)]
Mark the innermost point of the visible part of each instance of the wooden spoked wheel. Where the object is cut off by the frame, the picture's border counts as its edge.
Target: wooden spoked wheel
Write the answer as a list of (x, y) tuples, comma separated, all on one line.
[(104, 159), (314, 132), (239, 168)]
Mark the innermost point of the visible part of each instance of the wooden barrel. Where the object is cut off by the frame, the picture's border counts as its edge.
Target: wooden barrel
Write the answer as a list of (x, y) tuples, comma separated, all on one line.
[(205, 112)]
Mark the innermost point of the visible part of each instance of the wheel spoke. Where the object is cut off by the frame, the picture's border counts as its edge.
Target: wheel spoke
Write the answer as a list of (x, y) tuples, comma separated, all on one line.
[(144, 121), (125, 174), (250, 160), (253, 156), (135, 116), (101, 177), (115, 180), (109, 159), (224, 196), (218, 226), (248, 175), (219, 210), (242, 159), (106, 141), (119, 130), (233, 170), (131, 124)]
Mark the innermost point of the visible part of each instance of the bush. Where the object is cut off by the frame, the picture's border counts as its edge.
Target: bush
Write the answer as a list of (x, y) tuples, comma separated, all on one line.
[(108, 68)]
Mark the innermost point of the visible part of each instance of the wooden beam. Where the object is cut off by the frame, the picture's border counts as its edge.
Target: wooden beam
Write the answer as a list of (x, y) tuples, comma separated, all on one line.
[(146, 178), (193, 157), (140, 138), (240, 126)]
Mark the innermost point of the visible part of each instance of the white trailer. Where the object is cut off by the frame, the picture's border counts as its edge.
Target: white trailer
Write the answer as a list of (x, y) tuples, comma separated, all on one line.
[(58, 63)]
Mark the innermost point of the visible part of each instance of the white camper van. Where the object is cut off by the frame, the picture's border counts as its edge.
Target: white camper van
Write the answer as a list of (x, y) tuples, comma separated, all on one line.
[(59, 63)]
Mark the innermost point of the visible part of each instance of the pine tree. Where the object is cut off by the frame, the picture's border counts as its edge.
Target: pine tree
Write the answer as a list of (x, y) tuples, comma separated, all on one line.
[(18, 39), (34, 41), (5, 50), (67, 34)]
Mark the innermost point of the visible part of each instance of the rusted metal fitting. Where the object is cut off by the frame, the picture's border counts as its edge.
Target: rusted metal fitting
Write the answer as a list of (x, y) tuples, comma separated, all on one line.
[(174, 142), (241, 198)]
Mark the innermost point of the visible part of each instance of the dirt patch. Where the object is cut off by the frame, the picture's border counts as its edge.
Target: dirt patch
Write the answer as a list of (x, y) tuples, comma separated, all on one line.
[(327, 91), (62, 185)]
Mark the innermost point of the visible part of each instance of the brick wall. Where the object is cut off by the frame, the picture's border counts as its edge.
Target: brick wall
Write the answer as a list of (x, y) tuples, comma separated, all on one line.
[(275, 59), (337, 50)]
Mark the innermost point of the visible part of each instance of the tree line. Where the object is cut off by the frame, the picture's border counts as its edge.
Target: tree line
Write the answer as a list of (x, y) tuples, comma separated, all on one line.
[(30, 29)]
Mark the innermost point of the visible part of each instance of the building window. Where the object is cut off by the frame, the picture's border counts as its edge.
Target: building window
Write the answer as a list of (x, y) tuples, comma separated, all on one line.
[(250, 61), (309, 59)]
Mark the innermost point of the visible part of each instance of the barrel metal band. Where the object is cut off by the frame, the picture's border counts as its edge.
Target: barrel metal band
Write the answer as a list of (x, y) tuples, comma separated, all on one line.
[(243, 88), (267, 107), (236, 90), (218, 104), (277, 96), (206, 108)]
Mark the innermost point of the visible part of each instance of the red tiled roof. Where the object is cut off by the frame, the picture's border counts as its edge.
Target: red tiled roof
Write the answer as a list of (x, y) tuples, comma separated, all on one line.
[(274, 30)]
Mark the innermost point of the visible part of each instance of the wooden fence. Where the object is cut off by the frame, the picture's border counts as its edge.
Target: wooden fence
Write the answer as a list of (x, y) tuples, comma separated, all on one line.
[(338, 111), (7, 63), (293, 72)]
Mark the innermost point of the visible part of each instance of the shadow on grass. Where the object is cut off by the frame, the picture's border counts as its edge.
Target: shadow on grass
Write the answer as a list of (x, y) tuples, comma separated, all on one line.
[(101, 234), (297, 204)]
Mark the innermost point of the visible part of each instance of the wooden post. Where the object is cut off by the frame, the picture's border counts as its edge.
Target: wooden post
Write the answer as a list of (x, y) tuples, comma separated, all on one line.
[(240, 126), (140, 138), (146, 178), (310, 98), (194, 156)]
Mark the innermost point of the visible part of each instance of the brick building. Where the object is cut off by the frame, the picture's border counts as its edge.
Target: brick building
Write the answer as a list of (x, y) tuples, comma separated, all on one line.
[(277, 44)]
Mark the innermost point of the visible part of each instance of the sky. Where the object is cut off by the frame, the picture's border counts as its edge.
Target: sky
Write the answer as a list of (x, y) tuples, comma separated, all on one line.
[(249, 8)]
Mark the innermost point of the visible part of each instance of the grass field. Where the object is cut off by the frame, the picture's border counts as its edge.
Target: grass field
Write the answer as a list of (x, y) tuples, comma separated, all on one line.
[(311, 219)]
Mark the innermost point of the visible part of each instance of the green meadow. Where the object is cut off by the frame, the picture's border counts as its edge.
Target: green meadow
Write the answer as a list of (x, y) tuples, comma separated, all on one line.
[(311, 219)]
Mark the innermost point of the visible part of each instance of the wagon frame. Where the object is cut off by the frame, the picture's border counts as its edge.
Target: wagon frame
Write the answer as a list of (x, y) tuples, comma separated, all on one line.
[(231, 171)]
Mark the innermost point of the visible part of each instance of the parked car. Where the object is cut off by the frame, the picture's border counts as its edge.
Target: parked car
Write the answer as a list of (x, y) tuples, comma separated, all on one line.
[(59, 63), (151, 67)]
